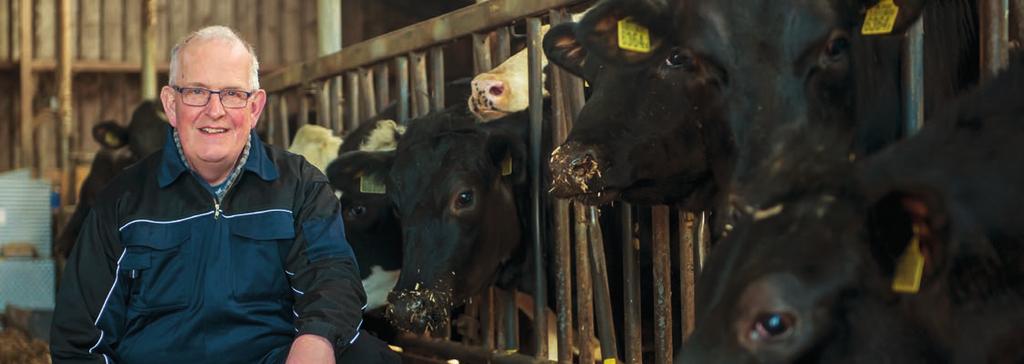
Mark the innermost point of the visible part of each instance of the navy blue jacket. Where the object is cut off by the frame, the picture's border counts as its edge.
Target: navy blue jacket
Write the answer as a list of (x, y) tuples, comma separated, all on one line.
[(162, 273)]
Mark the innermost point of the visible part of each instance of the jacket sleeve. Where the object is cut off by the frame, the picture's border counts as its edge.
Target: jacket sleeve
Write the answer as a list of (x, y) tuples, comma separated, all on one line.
[(329, 296), (87, 317)]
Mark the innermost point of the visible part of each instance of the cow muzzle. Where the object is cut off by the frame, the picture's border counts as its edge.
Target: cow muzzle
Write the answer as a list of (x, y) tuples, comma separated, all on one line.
[(420, 310), (577, 173)]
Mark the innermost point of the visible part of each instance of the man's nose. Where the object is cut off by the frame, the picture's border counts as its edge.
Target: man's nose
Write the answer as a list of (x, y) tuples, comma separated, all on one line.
[(214, 108)]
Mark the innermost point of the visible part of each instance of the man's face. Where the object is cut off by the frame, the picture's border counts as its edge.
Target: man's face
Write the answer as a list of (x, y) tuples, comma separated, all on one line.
[(213, 134)]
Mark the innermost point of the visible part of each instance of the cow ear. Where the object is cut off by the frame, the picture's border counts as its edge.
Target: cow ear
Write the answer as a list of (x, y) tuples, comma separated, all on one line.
[(562, 49), (508, 155), (353, 164), (110, 134), (908, 12), (625, 32), (910, 237)]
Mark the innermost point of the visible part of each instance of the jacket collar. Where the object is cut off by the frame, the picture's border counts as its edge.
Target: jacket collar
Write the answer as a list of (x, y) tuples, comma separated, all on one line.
[(172, 165)]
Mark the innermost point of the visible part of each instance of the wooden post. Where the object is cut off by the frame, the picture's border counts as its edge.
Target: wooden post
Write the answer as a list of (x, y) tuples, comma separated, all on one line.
[(995, 34), (631, 284), (536, 86), (282, 120), (436, 78), (149, 90), (402, 82), (329, 40), (367, 93), (27, 84), (382, 86), (584, 287), (418, 75), (352, 109), (481, 53), (64, 78), (687, 269)]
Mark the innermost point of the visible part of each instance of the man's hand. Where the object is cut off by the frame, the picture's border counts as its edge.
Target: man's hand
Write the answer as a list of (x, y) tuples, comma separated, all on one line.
[(308, 349)]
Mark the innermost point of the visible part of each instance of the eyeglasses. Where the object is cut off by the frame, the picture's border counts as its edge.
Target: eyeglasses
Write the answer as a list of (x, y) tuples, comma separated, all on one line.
[(198, 96)]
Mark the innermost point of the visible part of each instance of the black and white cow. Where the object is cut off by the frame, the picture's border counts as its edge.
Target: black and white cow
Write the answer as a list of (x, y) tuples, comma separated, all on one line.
[(119, 147), (913, 255)]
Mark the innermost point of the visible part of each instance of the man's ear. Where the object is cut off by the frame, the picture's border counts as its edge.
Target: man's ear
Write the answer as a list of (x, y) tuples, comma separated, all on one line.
[(259, 100), (508, 155), (904, 217), (110, 134), (612, 29), (167, 97), (909, 11), (562, 49)]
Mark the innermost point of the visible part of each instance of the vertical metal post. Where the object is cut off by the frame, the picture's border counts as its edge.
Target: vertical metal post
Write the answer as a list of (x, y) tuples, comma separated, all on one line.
[(584, 287), (534, 54), (510, 314), (602, 296), (995, 36), (662, 285), (329, 32), (149, 33), (687, 271), (383, 85), (353, 110), (418, 75), (504, 47), (563, 251), (631, 284), (402, 82), (436, 78), (367, 93), (703, 241), (487, 318), (913, 77), (27, 84), (481, 53)]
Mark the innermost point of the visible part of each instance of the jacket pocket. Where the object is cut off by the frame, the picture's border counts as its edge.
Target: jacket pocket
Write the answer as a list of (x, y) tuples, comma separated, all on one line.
[(154, 267), (257, 261)]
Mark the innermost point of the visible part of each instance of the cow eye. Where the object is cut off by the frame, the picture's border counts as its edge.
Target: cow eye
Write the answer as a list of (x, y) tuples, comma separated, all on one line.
[(356, 211), (770, 326), (464, 199), (681, 59), (838, 46)]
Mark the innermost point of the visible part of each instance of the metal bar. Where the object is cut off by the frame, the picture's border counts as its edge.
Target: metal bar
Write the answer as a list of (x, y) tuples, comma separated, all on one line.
[(913, 77), (383, 85), (584, 287), (510, 313), (631, 284), (463, 22), (27, 86), (367, 94), (562, 227), (504, 48), (402, 82), (436, 78), (602, 296), (481, 53), (703, 242), (282, 119), (149, 34), (352, 108), (662, 285), (487, 318), (460, 352), (536, 85), (64, 81), (687, 271), (418, 76), (995, 36)]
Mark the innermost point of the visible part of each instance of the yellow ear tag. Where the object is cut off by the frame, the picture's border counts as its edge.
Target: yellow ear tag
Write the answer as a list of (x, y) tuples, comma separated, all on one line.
[(634, 37), (371, 185), (506, 166), (112, 139), (609, 361), (880, 19), (909, 268)]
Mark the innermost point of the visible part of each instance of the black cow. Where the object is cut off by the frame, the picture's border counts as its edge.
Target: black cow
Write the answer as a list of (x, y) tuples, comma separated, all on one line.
[(634, 117), (807, 275), (119, 147), (749, 67)]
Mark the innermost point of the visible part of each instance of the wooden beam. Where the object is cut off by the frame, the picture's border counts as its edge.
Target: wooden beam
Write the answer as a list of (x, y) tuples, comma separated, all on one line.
[(64, 79), (133, 17), (113, 31), (89, 35), (148, 78), (463, 22), (27, 83), (5, 30)]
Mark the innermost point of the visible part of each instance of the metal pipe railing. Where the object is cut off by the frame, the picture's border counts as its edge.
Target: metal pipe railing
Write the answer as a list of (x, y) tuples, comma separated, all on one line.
[(584, 286), (631, 284), (661, 254), (995, 36), (536, 85)]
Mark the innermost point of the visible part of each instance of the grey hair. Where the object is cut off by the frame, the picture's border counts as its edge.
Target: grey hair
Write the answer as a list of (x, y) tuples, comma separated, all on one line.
[(215, 32)]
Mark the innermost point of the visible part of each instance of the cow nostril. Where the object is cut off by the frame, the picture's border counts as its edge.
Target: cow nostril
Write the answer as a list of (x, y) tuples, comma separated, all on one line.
[(583, 166), (496, 90)]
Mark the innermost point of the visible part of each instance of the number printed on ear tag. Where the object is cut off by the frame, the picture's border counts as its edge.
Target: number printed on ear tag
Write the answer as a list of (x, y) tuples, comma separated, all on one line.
[(634, 37), (372, 185)]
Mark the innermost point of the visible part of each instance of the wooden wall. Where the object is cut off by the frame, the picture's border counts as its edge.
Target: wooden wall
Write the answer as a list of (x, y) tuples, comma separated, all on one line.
[(106, 44)]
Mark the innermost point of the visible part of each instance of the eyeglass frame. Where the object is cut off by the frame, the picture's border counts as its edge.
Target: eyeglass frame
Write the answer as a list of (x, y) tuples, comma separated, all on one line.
[(248, 95)]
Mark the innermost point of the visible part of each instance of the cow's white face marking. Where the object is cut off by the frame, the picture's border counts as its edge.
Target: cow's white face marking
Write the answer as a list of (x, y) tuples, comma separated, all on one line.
[(383, 137), (378, 285), (318, 144)]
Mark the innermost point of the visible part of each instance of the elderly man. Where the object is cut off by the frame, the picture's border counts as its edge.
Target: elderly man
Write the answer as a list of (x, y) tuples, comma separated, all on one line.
[(218, 248)]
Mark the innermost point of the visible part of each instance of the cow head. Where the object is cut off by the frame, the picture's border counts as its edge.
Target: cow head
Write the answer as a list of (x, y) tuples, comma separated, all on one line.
[(639, 137), (452, 184)]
